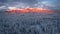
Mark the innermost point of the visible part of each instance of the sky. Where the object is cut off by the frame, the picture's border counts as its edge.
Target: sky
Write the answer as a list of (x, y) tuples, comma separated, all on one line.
[(50, 4)]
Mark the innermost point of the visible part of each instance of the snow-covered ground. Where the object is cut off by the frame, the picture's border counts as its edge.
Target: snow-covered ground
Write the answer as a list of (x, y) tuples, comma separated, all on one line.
[(29, 23)]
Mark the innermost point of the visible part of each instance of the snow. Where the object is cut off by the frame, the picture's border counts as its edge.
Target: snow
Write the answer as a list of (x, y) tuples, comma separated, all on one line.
[(29, 23)]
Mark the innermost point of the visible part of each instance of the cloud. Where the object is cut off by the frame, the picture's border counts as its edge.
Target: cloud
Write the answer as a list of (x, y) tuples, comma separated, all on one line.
[(50, 4), (31, 3), (3, 8)]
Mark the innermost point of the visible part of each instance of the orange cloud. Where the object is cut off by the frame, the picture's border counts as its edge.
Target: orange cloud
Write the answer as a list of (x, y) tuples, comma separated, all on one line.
[(27, 10)]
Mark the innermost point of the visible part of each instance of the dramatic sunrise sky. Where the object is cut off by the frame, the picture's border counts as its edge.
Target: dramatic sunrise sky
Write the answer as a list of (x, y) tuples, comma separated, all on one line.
[(50, 4)]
